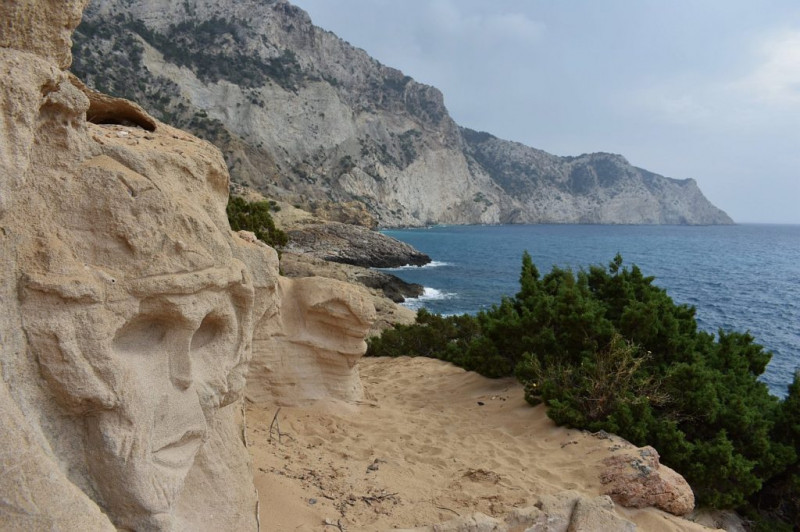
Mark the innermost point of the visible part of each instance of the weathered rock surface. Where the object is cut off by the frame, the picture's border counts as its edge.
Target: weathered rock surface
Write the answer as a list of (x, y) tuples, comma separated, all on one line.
[(353, 244), (43, 28), (634, 478), (389, 286), (303, 116), (34, 492), (381, 285), (346, 212), (568, 511), (308, 348), (128, 307)]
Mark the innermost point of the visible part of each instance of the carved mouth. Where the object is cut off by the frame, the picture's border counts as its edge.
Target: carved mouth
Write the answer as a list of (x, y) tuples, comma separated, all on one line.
[(180, 453)]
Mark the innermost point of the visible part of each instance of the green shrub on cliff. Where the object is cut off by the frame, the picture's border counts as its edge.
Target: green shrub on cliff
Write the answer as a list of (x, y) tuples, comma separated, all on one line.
[(605, 348), (255, 217), (780, 496)]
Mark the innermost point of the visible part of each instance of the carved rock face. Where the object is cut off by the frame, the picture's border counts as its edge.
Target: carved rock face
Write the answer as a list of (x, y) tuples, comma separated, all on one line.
[(309, 348), (148, 375), (136, 308), (128, 307)]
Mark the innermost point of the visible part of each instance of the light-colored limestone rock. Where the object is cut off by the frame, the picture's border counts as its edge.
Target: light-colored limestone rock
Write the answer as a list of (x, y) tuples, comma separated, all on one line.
[(635, 478), (597, 515), (42, 27), (567, 511), (309, 348), (127, 307)]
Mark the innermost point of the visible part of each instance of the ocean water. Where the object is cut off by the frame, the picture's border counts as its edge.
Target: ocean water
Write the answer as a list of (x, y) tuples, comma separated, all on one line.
[(741, 277)]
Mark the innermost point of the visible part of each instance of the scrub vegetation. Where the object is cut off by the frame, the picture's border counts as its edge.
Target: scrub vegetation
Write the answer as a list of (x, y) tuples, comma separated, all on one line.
[(606, 349), (255, 216)]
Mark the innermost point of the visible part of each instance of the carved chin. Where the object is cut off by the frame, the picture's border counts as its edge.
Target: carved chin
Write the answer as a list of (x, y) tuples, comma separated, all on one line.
[(139, 484)]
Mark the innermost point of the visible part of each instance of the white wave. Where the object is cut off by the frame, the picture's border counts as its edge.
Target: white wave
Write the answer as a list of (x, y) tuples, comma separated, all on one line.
[(428, 294), (432, 264), (432, 294)]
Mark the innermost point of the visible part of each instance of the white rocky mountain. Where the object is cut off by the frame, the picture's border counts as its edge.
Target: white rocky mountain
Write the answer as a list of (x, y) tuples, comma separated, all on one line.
[(303, 116)]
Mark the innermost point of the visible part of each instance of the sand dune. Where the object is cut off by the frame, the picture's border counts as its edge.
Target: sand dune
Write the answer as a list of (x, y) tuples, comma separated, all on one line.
[(431, 442)]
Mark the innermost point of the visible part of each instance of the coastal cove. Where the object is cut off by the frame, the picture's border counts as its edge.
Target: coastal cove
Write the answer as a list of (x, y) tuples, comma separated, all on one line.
[(741, 277)]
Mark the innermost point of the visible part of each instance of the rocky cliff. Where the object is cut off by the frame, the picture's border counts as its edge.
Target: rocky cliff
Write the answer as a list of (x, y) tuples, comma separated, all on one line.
[(305, 117)]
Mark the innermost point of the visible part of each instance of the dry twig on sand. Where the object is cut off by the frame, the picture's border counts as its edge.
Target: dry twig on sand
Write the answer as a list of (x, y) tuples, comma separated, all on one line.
[(369, 499), (448, 509), (276, 424)]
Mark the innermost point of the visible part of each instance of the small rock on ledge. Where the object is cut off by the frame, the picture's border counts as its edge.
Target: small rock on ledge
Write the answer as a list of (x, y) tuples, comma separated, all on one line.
[(634, 478)]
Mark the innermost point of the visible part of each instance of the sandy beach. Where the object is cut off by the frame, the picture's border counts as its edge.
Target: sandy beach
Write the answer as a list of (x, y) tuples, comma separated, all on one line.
[(430, 442)]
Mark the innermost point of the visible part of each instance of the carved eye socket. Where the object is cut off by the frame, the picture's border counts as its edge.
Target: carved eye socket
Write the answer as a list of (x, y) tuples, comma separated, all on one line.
[(142, 335), (211, 328), (333, 308)]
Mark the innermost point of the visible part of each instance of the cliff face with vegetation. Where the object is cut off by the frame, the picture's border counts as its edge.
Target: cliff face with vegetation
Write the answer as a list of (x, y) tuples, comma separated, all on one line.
[(305, 117)]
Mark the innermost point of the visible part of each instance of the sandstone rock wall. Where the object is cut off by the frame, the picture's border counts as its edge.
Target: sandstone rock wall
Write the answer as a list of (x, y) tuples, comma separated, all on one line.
[(130, 308), (127, 316), (34, 492)]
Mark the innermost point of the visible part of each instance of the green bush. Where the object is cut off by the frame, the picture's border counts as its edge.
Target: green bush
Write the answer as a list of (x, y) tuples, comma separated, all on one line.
[(605, 348), (255, 217)]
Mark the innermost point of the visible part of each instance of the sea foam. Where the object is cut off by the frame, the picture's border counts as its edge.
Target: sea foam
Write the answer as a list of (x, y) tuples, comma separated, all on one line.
[(428, 294), (432, 264)]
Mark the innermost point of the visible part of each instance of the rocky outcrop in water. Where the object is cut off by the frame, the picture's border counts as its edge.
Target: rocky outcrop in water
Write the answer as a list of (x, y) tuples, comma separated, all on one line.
[(353, 244), (303, 116), (391, 286)]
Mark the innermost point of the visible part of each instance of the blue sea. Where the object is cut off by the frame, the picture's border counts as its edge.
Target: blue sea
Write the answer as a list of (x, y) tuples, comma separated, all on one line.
[(740, 277)]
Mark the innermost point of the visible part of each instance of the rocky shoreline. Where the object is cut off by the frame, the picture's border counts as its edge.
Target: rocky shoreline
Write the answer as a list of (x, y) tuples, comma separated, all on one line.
[(320, 247), (353, 244)]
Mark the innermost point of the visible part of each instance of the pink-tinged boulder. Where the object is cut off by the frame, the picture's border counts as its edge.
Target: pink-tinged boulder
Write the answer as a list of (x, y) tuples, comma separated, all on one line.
[(634, 478)]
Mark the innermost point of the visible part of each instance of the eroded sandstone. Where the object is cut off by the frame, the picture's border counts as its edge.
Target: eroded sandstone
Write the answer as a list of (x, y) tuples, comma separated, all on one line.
[(309, 347), (128, 317), (567, 511)]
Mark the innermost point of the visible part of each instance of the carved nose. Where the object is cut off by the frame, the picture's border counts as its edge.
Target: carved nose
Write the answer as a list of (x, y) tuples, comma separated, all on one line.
[(180, 367)]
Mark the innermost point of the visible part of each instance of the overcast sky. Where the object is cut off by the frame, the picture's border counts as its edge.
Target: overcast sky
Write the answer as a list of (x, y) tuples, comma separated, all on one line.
[(707, 89)]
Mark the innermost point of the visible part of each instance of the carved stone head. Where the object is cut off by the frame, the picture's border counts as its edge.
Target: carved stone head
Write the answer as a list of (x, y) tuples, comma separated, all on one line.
[(127, 305), (309, 348), (138, 315)]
